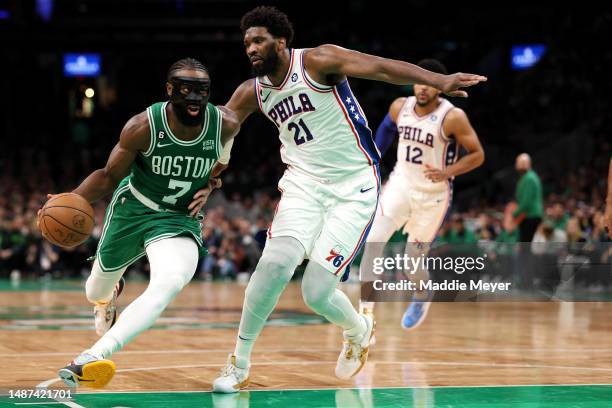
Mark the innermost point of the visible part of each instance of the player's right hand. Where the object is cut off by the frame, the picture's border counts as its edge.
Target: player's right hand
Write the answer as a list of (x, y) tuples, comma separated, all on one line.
[(452, 84)]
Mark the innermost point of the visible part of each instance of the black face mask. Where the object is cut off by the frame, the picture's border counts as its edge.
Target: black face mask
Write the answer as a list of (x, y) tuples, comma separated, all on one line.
[(189, 99)]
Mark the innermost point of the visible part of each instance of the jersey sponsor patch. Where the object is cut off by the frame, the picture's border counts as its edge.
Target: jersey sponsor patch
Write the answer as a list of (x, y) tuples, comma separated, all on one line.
[(208, 145)]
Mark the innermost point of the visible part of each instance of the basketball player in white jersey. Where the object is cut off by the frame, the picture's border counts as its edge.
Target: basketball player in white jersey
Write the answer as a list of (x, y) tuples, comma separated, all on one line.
[(419, 190), (330, 188)]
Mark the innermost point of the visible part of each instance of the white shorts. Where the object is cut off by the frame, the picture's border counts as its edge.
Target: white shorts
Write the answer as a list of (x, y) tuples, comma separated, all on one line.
[(330, 219), (420, 213)]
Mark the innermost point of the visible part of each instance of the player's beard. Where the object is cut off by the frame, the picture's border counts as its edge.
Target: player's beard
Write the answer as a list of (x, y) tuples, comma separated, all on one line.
[(268, 65)]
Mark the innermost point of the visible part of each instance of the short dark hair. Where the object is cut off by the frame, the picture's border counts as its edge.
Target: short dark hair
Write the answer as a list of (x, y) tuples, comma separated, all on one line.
[(273, 19), (433, 65), (186, 63)]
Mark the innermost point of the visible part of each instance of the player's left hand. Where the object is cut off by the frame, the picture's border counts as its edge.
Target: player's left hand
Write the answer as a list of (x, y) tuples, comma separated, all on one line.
[(452, 84), (435, 175), (201, 196)]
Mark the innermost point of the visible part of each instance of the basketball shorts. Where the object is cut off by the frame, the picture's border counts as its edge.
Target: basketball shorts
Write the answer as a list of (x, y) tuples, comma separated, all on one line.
[(130, 226), (330, 219), (420, 213)]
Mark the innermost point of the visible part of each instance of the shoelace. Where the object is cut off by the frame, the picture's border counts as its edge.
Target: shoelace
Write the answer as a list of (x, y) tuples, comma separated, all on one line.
[(229, 370), (349, 348)]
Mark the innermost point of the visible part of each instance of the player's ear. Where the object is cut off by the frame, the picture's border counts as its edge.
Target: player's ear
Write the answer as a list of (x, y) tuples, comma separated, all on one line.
[(281, 43), (169, 89)]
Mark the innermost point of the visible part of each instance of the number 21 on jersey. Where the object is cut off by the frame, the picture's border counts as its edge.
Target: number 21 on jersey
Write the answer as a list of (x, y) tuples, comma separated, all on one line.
[(297, 132)]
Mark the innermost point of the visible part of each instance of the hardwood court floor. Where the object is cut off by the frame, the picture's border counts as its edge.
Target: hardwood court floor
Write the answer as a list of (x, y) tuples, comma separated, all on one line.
[(465, 354)]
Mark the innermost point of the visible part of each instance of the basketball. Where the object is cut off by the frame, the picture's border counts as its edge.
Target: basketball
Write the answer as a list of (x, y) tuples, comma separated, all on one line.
[(66, 220)]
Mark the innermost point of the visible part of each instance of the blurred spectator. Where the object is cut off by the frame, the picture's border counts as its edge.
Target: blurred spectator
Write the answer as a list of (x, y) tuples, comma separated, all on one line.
[(548, 239), (529, 198), (557, 216), (458, 233)]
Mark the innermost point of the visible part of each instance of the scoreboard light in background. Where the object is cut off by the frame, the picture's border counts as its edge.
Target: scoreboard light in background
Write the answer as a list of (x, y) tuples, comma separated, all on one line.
[(82, 65), (526, 56)]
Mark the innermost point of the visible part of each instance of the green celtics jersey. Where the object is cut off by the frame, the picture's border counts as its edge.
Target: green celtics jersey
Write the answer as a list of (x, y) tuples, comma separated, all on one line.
[(168, 174)]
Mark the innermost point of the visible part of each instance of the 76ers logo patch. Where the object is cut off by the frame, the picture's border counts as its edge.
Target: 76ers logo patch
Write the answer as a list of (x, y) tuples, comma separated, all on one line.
[(334, 256)]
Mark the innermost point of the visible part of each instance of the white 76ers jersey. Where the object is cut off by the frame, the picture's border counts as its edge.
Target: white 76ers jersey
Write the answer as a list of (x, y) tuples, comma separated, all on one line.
[(323, 131), (422, 141)]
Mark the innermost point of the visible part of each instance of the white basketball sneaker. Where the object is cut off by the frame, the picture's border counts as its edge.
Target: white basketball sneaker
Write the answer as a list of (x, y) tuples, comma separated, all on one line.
[(367, 308), (232, 378), (105, 313), (354, 353)]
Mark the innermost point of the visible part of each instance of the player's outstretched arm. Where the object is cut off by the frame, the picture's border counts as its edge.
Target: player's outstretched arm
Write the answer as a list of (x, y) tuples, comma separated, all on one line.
[(243, 102), (135, 137), (457, 125), (329, 60), (229, 130)]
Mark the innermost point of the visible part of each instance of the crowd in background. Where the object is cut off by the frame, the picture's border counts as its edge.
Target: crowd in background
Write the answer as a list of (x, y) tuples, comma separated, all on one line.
[(235, 224)]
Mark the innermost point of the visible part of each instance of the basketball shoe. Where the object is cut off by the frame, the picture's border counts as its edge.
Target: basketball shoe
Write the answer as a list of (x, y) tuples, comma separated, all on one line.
[(417, 311), (232, 378), (367, 308), (87, 370), (105, 313), (355, 351)]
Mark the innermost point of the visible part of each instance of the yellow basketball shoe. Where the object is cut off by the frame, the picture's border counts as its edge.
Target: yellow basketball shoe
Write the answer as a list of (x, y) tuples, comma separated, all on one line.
[(87, 370), (232, 378), (355, 351)]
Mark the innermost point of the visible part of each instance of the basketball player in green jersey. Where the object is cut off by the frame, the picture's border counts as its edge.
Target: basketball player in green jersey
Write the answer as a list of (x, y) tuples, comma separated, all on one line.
[(331, 184), (163, 157)]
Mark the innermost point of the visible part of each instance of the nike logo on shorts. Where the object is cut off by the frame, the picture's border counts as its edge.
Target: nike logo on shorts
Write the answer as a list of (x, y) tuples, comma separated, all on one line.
[(363, 190)]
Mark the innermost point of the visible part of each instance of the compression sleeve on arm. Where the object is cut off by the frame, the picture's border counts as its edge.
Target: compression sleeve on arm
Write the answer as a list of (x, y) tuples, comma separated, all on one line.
[(224, 158), (385, 133)]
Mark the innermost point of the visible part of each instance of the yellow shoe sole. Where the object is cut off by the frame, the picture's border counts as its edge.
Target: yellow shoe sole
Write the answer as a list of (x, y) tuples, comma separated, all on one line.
[(95, 374)]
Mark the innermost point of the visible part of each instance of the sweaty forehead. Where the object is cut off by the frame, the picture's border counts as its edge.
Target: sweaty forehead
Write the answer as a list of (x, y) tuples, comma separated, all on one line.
[(253, 32), (191, 73)]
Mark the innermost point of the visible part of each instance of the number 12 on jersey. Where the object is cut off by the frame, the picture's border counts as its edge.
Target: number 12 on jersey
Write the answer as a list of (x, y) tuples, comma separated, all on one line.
[(415, 155), (297, 129)]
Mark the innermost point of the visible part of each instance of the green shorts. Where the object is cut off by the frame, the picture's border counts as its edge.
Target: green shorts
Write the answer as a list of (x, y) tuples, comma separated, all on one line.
[(129, 226)]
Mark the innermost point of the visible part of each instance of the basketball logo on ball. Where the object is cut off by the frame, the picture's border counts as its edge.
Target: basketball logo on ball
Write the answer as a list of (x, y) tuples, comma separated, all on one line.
[(78, 221)]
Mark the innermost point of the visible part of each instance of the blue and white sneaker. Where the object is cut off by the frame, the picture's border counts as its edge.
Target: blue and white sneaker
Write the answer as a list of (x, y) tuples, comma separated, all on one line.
[(416, 312)]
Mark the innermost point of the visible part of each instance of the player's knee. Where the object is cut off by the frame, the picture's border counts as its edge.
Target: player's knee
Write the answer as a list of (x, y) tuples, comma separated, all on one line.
[(276, 266), (173, 284), (315, 296)]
